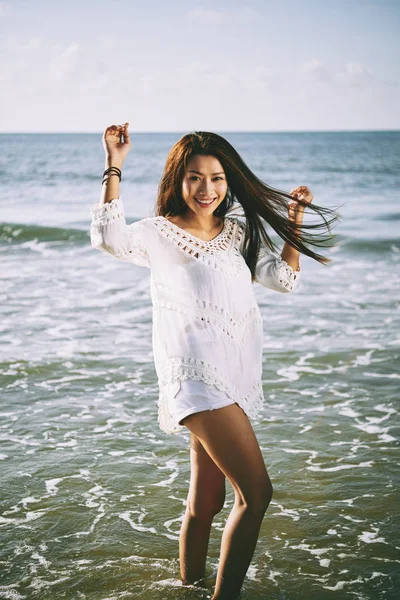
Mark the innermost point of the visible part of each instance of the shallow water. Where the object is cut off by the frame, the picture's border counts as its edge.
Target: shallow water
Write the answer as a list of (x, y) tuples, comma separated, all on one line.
[(93, 493)]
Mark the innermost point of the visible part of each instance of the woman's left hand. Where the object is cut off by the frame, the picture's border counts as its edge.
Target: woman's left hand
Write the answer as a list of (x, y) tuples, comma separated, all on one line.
[(296, 211)]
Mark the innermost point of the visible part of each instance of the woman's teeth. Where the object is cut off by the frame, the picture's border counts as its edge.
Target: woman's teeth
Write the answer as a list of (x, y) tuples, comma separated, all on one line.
[(204, 203)]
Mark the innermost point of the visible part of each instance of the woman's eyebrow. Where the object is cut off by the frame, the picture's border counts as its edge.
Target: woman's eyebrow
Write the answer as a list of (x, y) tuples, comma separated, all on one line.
[(193, 171)]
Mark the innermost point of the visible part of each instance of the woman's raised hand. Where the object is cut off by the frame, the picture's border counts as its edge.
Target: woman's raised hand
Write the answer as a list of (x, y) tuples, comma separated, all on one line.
[(296, 211), (116, 142)]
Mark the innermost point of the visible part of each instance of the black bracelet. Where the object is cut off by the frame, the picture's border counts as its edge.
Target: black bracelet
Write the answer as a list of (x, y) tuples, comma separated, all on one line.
[(110, 175), (115, 170), (111, 171)]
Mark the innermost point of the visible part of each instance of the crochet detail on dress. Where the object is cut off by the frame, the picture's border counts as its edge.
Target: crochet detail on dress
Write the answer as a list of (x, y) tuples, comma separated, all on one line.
[(219, 242), (128, 248), (134, 250), (180, 367), (237, 254), (236, 329), (102, 214), (285, 273), (165, 420), (208, 251)]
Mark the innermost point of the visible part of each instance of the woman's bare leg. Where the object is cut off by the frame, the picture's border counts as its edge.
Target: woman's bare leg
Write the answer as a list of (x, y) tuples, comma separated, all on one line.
[(205, 499), (229, 439)]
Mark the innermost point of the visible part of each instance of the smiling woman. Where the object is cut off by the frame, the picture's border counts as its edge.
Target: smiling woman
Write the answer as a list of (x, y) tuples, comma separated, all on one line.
[(204, 166), (203, 190), (207, 326)]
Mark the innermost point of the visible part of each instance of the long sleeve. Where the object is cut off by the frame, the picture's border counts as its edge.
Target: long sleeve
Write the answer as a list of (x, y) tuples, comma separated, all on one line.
[(110, 233), (274, 272), (271, 271)]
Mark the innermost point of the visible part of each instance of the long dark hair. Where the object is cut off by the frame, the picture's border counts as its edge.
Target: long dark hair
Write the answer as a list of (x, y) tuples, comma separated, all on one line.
[(257, 199)]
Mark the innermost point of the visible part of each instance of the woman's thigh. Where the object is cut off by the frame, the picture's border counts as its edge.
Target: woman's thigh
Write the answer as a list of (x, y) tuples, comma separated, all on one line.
[(229, 439), (207, 482)]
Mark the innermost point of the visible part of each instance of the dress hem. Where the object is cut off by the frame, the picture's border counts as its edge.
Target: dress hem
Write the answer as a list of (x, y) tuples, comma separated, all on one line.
[(250, 404)]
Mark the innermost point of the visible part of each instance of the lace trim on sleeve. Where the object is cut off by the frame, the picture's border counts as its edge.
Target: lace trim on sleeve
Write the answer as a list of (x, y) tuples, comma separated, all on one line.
[(286, 275), (273, 272), (102, 214), (110, 233)]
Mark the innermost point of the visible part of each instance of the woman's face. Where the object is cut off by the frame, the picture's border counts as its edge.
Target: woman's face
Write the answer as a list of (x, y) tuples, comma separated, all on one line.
[(204, 184)]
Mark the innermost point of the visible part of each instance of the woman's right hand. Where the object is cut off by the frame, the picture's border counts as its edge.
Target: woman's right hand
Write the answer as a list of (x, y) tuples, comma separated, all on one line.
[(114, 147)]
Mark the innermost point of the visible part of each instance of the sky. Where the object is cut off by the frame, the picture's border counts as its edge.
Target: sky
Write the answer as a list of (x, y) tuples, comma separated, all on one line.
[(259, 65)]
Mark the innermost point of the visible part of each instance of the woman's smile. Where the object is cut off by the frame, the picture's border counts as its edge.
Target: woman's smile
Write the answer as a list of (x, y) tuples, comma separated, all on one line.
[(204, 201), (204, 186)]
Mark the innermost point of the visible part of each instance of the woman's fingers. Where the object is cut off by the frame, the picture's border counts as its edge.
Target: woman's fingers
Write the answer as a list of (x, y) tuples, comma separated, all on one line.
[(116, 140), (111, 130), (126, 132), (300, 191), (117, 130), (114, 132)]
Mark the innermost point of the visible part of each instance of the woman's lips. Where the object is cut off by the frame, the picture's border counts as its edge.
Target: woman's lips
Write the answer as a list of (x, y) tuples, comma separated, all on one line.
[(205, 202)]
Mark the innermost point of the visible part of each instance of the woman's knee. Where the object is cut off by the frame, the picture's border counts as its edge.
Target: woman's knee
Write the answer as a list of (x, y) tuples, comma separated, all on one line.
[(257, 499), (236, 452), (206, 495), (205, 506)]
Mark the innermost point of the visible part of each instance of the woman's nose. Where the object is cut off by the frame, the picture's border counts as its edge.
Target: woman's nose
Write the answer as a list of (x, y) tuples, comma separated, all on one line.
[(205, 187)]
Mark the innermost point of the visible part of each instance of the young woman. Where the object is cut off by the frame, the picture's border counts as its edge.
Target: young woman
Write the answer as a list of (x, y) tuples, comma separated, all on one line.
[(207, 327)]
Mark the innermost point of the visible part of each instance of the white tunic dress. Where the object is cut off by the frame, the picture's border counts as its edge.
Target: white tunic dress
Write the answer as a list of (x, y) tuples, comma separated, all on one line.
[(207, 326)]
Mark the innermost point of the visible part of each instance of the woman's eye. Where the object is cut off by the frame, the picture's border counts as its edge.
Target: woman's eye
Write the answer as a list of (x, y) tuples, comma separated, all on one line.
[(194, 177)]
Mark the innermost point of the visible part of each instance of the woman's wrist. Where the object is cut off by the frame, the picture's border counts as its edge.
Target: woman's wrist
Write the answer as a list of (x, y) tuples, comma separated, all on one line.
[(113, 162), (111, 181)]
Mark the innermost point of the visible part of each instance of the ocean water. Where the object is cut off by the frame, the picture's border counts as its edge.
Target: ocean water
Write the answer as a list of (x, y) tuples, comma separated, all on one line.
[(92, 491)]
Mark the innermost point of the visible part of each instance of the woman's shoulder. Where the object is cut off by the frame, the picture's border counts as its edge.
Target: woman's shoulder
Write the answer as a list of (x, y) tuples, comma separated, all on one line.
[(235, 215), (238, 220), (148, 222)]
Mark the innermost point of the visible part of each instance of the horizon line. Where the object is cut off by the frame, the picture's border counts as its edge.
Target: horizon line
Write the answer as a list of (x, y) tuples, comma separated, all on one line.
[(158, 132)]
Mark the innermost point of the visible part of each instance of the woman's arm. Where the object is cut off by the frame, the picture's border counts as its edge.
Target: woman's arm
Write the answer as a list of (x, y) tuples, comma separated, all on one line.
[(110, 188), (296, 214), (271, 271), (108, 230), (275, 273), (291, 256), (110, 233), (116, 151)]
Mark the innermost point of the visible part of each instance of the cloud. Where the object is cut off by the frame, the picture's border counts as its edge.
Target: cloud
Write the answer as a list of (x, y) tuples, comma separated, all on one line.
[(34, 65), (262, 78), (355, 75), (250, 14), (205, 81), (352, 74), (193, 78), (315, 70), (20, 60), (10, 10), (237, 16), (65, 63), (204, 15), (15, 45)]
